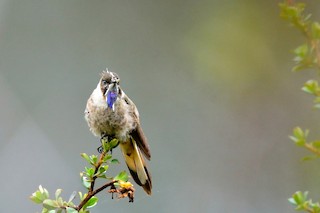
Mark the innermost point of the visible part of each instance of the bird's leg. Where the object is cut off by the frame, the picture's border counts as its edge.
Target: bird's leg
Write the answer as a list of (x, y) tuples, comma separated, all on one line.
[(104, 137), (107, 138)]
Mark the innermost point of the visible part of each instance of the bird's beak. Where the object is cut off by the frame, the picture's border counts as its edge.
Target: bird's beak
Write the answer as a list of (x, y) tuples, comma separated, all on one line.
[(111, 95)]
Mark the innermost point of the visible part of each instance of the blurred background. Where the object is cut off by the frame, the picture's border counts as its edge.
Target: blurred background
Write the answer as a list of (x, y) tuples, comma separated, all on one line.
[(211, 80)]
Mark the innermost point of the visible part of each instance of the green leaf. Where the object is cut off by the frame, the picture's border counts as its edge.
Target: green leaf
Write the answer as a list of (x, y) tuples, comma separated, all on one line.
[(315, 29), (50, 204), (310, 86), (116, 161), (71, 210), (298, 133), (113, 143), (60, 201), (103, 169), (86, 183), (35, 199), (72, 196), (300, 197), (106, 146), (310, 157), (122, 176), (316, 144), (107, 157), (94, 159), (299, 137), (89, 171), (80, 196), (292, 201), (87, 158), (40, 195), (58, 192), (44, 210), (301, 50), (44, 192), (91, 203)]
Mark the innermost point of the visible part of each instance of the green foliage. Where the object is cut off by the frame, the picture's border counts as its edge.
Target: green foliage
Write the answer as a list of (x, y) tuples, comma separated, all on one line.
[(302, 203), (299, 136), (41, 196), (98, 168), (123, 176), (307, 55)]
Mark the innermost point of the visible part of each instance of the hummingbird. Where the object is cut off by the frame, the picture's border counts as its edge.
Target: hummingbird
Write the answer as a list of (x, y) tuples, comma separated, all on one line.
[(111, 113)]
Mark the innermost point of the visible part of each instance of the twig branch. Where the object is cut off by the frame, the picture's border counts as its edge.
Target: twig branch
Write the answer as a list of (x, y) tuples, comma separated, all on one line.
[(91, 191), (311, 148)]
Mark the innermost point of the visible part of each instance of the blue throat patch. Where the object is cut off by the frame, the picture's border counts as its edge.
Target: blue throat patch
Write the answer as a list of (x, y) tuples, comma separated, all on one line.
[(111, 98)]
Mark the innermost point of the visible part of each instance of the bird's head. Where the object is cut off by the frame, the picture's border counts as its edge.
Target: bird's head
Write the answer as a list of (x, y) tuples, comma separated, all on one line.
[(109, 85)]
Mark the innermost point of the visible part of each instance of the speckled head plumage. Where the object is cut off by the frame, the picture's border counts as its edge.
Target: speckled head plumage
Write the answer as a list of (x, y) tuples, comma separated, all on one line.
[(109, 85)]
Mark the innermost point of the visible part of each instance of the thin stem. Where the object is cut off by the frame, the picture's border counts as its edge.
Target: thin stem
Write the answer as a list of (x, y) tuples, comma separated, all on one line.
[(93, 193), (97, 166), (312, 149)]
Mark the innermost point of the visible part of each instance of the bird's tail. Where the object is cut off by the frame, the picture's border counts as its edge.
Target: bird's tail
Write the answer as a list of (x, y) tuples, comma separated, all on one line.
[(136, 165)]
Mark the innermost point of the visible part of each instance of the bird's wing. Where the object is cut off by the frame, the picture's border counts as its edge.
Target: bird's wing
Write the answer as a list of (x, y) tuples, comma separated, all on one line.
[(137, 133), (138, 136)]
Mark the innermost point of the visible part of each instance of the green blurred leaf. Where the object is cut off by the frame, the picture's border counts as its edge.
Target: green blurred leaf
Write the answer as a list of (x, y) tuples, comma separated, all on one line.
[(40, 195), (87, 158), (91, 203), (106, 146), (300, 197), (60, 201), (58, 192), (107, 157), (86, 183), (35, 199), (311, 87), (122, 176), (115, 161), (71, 210), (299, 136), (301, 50), (94, 159), (113, 143), (89, 171), (310, 157), (316, 144), (44, 192), (50, 204), (72, 196), (315, 29), (292, 201)]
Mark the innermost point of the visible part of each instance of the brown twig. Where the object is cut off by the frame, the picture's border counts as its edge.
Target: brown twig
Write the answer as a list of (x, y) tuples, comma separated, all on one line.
[(312, 148), (91, 191)]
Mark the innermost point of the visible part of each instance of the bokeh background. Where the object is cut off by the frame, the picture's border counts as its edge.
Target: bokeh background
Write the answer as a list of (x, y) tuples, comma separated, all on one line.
[(211, 80)]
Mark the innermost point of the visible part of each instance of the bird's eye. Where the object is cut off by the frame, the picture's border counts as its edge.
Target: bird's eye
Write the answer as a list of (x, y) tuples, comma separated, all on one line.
[(104, 82)]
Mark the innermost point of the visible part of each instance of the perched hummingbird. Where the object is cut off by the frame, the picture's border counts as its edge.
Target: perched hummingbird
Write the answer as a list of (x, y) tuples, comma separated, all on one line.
[(111, 113)]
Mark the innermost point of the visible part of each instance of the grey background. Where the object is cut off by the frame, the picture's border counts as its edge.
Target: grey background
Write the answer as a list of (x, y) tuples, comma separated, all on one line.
[(211, 80)]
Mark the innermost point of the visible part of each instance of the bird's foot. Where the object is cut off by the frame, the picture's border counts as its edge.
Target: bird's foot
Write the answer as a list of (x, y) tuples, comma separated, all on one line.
[(106, 139), (100, 149)]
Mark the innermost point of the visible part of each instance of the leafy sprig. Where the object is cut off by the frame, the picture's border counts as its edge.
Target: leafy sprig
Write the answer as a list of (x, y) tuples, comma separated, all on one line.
[(98, 168), (307, 56)]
